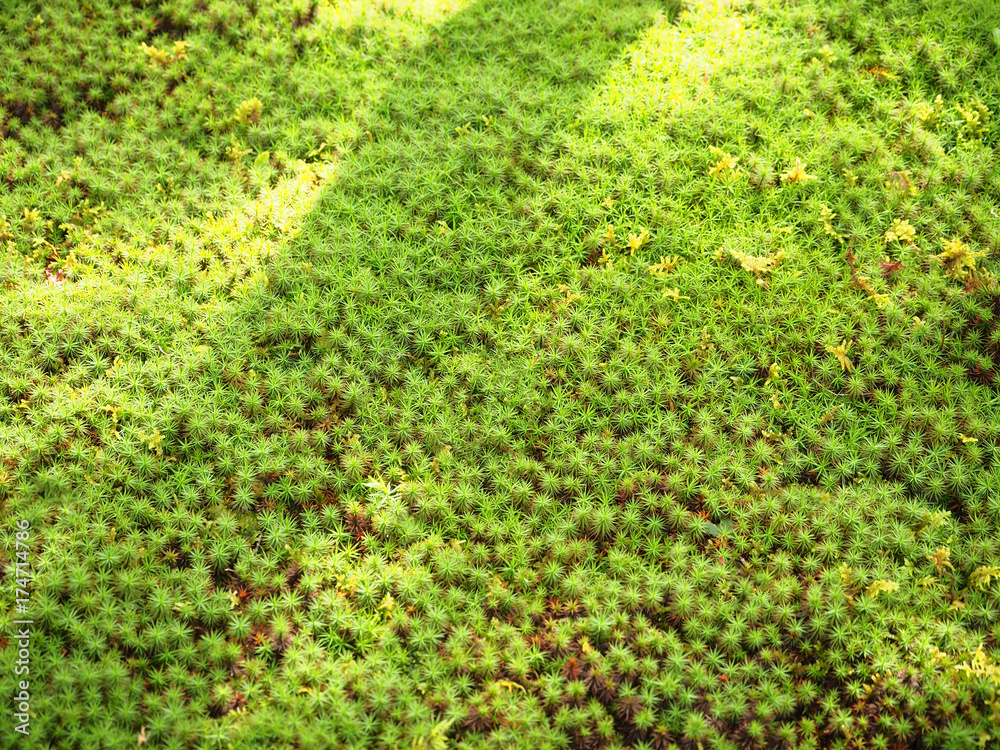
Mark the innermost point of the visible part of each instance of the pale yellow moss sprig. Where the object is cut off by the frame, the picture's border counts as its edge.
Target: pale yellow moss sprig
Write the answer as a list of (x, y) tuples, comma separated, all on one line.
[(674, 294), (846, 576), (959, 260), (569, 298), (158, 58), (942, 559), (666, 266), (758, 265), (725, 166), (975, 120), (983, 575), (902, 231), (235, 152), (978, 664), (509, 685), (878, 587), (153, 441), (249, 111), (827, 217), (840, 352), (636, 241), (31, 217), (609, 236), (929, 116), (797, 174)]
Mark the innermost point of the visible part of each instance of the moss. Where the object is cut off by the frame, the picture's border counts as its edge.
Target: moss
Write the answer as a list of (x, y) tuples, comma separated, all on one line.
[(344, 392)]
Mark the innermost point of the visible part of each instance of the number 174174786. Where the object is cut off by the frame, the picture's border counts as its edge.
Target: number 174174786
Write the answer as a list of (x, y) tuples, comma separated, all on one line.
[(22, 627)]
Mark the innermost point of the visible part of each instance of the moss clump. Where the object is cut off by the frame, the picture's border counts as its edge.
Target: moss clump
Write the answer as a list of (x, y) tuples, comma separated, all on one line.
[(344, 396)]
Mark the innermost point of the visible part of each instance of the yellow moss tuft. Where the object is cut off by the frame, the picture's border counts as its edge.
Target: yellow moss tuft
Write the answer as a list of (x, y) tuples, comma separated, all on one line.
[(758, 265), (959, 260), (840, 352), (901, 230), (797, 174), (982, 576), (827, 217), (726, 166), (636, 241), (975, 120), (159, 59), (878, 587), (674, 294), (666, 265), (249, 112), (929, 116)]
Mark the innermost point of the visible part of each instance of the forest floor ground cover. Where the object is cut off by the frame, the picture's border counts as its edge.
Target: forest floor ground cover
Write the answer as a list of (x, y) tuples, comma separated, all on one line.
[(501, 373)]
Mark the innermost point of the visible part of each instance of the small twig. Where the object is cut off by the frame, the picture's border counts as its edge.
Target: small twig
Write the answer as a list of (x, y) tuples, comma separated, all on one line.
[(704, 86), (848, 255)]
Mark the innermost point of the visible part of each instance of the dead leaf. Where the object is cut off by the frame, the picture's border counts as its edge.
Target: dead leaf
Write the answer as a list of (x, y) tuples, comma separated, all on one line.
[(890, 267), (56, 277)]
